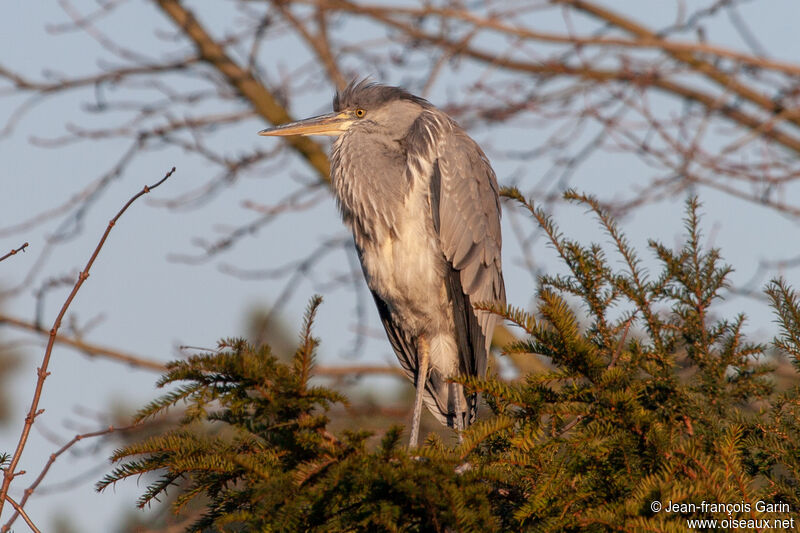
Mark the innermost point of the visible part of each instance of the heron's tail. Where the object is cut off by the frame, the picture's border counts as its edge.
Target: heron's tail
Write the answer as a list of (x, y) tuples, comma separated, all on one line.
[(448, 403)]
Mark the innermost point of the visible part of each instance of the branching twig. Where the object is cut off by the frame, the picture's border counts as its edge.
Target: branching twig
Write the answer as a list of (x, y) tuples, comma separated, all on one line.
[(21, 512), (262, 100), (52, 459), (594, 75), (10, 471)]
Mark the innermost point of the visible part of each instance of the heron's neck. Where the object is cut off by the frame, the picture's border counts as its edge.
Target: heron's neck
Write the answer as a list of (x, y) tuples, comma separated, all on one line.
[(369, 179)]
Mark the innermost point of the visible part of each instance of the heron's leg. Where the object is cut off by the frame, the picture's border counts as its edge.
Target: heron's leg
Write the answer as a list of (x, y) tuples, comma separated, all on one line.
[(422, 376), (456, 390)]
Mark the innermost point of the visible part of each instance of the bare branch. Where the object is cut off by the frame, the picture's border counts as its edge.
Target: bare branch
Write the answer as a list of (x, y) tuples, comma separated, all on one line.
[(92, 350), (21, 512), (52, 459), (262, 100), (515, 30), (318, 43), (637, 78), (10, 472), (355, 371), (728, 82)]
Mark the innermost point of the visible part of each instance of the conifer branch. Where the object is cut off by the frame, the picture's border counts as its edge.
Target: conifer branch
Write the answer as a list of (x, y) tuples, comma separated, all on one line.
[(624, 417), (786, 304)]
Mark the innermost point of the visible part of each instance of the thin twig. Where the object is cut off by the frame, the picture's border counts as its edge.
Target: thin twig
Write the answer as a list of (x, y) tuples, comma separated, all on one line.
[(10, 471), (569, 425), (621, 343), (354, 371), (95, 350), (29, 491), (262, 100), (701, 66), (510, 29), (596, 75), (21, 512), (14, 252), (92, 350)]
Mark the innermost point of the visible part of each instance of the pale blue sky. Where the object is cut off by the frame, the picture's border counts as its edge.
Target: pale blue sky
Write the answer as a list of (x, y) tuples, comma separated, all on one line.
[(149, 305)]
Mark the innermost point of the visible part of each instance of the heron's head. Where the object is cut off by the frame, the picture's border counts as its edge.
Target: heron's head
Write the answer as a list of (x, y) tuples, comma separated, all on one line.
[(372, 107)]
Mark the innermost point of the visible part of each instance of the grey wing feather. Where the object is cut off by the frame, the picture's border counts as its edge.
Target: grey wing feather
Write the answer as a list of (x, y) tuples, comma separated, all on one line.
[(470, 337), (401, 343), (466, 215), (468, 218)]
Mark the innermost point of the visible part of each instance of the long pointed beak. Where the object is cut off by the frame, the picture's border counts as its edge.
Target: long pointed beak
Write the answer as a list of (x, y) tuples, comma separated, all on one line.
[(331, 124)]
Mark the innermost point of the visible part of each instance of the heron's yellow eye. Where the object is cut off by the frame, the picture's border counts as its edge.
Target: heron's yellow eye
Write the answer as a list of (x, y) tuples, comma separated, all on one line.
[(360, 113)]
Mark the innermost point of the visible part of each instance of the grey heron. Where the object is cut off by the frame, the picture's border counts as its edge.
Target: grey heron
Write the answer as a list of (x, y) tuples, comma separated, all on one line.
[(422, 202)]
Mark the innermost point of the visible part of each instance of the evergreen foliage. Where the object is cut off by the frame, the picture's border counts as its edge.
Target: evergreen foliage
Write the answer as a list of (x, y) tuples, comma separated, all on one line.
[(650, 397)]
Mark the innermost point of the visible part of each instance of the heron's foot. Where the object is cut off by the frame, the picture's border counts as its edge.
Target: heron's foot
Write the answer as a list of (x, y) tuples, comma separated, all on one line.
[(465, 467)]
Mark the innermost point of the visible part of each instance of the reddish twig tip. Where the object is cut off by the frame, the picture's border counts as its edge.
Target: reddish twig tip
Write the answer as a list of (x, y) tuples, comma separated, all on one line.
[(15, 250)]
